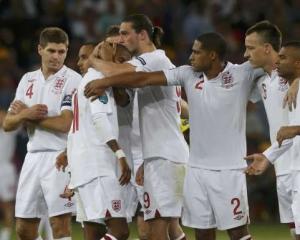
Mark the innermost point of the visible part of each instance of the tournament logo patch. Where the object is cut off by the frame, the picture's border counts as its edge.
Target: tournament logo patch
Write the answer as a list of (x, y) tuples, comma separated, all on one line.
[(116, 205), (69, 204), (103, 99), (283, 84), (58, 85), (227, 80)]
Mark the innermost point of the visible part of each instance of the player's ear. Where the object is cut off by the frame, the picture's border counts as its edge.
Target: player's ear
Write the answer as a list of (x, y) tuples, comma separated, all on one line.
[(40, 48)]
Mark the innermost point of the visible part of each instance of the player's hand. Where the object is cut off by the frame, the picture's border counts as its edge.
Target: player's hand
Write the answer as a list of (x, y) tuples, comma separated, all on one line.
[(259, 163), (290, 98), (96, 52), (140, 175), (107, 51), (17, 106), (94, 89), (36, 112), (125, 172), (61, 161), (286, 133), (68, 193)]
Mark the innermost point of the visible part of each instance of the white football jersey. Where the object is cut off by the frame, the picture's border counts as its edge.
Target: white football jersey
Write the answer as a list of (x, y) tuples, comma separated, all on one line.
[(88, 156), (125, 128), (7, 146), (159, 112), (55, 92), (217, 109), (273, 89)]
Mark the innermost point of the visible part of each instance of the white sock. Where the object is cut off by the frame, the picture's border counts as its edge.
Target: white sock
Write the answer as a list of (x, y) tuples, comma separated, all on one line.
[(5, 233), (247, 237), (64, 238), (293, 233), (182, 236), (108, 237), (39, 238)]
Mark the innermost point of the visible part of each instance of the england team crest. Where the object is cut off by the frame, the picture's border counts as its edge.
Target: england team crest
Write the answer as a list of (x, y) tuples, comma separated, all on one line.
[(116, 205), (58, 85), (227, 80)]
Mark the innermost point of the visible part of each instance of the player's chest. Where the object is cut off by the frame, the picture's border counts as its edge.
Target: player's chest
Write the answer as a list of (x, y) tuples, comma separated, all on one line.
[(217, 93), (48, 92)]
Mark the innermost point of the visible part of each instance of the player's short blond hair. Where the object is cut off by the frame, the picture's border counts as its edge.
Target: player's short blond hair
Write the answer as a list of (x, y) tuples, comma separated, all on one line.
[(53, 35)]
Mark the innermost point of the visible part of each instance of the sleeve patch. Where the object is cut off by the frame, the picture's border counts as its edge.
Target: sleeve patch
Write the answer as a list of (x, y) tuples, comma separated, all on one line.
[(103, 99), (67, 101)]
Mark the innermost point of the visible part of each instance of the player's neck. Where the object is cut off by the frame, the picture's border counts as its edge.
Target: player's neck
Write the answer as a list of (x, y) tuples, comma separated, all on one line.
[(215, 70), (47, 72), (269, 68), (148, 47)]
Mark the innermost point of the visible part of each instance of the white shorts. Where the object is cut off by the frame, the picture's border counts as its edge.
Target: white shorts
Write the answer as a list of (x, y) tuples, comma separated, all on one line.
[(8, 182), (284, 193), (101, 198), (163, 188), (296, 199), (40, 185), (80, 212), (215, 199), (139, 189)]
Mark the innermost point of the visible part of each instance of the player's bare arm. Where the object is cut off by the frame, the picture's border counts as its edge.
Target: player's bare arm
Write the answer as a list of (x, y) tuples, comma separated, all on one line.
[(287, 132), (13, 121), (291, 96), (258, 164), (184, 109), (60, 123), (131, 80), (121, 97), (125, 170), (61, 161)]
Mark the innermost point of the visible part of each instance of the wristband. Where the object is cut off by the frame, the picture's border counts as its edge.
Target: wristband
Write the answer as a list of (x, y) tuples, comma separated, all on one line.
[(120, 154)]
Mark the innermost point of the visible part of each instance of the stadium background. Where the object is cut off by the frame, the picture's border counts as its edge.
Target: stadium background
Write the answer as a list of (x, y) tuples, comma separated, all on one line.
[(182, 21)]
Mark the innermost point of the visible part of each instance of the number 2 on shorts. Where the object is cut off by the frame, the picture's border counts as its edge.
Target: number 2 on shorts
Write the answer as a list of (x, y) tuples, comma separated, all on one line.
[(236, 202)]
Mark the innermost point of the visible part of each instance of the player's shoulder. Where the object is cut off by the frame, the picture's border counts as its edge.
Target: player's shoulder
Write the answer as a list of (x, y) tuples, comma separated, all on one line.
[(188, 70), (31, 76), (70, 73), (157, 57), (92, 74)]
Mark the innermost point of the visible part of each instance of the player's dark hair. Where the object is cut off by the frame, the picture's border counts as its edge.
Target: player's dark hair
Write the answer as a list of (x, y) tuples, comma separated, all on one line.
[(122, 53), (112, 31), (214, 42), (269, 33), (53, 35), (296, 47), (92, 44), (142, 22)]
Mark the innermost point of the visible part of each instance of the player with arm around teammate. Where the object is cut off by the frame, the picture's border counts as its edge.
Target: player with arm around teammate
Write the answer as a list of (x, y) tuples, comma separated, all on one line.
[(212, 87)]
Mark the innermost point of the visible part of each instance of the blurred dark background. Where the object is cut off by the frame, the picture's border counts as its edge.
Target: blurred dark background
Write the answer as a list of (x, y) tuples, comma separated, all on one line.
[(182, 21)]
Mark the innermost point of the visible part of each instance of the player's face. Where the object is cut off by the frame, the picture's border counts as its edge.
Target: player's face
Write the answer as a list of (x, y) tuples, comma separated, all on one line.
[(200, 58), (83, 56), (128, 37), (256, 50), (53, 55), (286, 63)]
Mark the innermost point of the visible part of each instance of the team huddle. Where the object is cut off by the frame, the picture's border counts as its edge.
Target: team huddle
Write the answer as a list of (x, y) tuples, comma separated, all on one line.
[(106, 143)]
